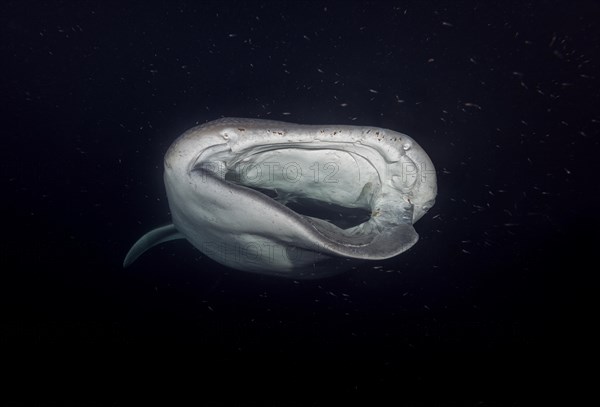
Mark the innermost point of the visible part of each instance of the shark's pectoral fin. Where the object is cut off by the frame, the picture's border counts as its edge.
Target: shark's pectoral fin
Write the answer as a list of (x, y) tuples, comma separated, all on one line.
[(151, 239)]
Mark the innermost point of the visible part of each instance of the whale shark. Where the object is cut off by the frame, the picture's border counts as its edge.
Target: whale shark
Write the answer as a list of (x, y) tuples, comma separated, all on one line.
[(250, 194)]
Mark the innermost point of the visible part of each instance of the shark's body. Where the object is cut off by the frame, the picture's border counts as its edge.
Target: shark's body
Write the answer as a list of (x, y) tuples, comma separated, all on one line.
[(228, 181)]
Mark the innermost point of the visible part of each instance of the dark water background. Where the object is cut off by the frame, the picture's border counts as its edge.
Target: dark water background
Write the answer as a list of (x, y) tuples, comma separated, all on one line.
[(502, 95)]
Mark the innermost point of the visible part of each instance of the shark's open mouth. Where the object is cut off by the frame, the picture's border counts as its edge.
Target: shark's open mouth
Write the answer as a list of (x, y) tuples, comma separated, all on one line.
[(324, 184), (338, 215)]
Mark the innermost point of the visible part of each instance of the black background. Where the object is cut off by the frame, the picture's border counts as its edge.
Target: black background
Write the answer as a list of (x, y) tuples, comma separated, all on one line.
[(502, 95)]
